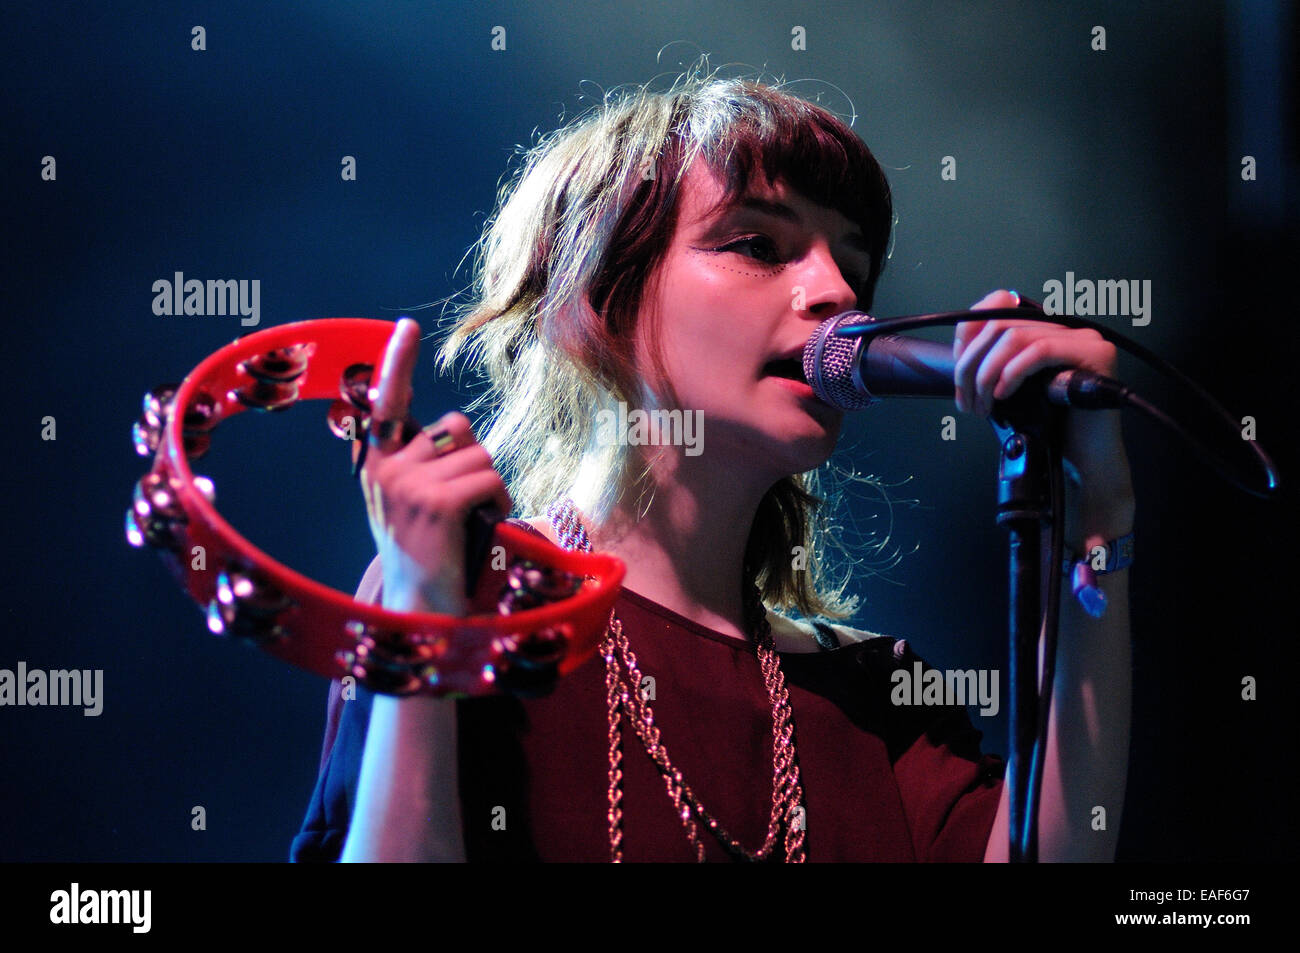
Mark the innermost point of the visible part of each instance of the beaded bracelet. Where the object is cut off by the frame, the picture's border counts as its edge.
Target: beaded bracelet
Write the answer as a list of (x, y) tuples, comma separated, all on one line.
[(1085, 570)]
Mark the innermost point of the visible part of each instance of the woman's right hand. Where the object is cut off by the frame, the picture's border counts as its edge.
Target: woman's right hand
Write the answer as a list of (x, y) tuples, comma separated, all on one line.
[(419, 496)]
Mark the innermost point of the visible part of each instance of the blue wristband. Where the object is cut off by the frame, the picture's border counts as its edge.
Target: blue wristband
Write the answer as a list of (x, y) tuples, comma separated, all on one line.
[(1083, 572), (1119, 555)]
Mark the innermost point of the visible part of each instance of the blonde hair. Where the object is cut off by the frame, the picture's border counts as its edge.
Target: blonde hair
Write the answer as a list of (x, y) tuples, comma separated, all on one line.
[(573, 247)]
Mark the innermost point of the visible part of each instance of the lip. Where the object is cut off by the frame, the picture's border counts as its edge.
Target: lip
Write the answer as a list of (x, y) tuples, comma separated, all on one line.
[(802, 389), (798, 387), (811, 403)]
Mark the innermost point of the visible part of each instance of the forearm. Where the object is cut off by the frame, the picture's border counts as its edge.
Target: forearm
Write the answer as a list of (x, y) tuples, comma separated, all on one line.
[(408, 799), (1087, 756), (1086, 766), (408, 807)]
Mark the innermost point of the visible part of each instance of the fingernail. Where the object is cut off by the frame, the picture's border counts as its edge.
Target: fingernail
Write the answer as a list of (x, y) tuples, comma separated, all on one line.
[(1015, 294)]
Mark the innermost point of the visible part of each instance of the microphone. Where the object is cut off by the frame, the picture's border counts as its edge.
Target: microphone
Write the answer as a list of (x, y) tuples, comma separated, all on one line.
[(852, 372)]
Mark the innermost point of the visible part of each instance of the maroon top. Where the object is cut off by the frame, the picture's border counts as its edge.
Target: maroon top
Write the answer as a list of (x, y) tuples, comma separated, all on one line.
[(881, 782)]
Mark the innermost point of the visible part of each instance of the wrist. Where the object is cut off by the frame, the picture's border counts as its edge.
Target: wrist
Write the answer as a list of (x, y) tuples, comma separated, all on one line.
[(1098, 540), (1098, 556), (1099, 520)]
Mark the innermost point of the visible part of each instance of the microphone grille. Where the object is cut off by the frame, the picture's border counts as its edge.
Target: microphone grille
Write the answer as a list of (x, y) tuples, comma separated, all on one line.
[(830, 363)]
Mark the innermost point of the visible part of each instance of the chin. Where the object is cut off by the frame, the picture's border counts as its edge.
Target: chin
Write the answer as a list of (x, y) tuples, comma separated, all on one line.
[(803, 446), (805, 458), (779, 438)]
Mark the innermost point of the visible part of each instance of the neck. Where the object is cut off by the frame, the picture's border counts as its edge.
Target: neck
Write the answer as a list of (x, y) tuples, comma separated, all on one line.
[(685, 549)]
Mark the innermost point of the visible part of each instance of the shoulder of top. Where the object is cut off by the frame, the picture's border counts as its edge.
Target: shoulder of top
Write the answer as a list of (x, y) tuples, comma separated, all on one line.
[(846, 633), (857, 635)]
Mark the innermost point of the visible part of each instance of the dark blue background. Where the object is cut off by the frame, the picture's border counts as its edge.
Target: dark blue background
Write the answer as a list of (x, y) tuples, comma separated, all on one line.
[(225, 164)]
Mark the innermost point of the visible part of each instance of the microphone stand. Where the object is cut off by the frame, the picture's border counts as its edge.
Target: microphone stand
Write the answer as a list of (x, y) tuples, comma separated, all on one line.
[(1030, 486), (1031, 494)]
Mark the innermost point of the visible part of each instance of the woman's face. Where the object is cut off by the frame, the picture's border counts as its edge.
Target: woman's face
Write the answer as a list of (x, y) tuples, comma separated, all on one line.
[(739, 289)]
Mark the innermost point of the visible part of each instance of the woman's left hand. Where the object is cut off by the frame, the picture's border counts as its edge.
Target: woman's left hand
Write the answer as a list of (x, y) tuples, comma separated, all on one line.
[(995, 357)]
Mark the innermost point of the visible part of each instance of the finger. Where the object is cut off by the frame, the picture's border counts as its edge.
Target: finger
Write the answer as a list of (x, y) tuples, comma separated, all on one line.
[(1036, 356), (391, 395), (1025, 350), (967, 331), (448, 434), (973, 357), (451, 465), (374, 495), (365, 492), (997, 299), (964, 333), (472, 489), (1069, 349), (1014, 341)]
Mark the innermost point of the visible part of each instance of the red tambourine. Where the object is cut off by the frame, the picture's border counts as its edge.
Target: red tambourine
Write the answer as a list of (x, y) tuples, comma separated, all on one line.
[(552, 605)]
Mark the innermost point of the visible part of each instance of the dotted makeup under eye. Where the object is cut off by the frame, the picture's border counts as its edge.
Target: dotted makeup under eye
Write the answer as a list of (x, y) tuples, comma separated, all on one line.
[(757, 270)]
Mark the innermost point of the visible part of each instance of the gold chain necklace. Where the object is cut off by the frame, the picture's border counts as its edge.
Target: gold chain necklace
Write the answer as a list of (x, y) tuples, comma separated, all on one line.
[(622, 693)]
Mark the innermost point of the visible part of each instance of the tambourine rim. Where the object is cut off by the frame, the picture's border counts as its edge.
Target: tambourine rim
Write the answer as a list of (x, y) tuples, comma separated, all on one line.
[(194, 501)]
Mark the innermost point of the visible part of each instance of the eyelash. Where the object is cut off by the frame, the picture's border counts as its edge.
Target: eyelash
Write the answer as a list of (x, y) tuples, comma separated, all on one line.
[(729, 246), (854, 281)]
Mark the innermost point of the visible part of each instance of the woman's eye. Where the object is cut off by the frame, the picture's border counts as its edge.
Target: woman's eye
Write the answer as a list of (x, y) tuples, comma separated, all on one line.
[(755, 246)]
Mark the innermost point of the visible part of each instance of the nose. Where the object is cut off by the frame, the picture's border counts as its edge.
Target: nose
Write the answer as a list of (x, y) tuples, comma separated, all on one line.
[(826, 291)]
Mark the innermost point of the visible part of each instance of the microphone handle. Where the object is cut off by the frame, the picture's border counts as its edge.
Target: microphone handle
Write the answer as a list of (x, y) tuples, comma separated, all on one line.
[(899, 366)]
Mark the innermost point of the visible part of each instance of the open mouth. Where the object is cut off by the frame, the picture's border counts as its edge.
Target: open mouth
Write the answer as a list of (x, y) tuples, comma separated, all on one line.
[(789, 368)]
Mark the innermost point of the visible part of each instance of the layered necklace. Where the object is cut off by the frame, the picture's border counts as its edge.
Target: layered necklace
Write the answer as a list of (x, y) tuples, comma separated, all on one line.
[(623, 694)]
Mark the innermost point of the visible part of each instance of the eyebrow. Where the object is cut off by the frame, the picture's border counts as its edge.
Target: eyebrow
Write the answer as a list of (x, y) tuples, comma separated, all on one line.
[(780, 210)]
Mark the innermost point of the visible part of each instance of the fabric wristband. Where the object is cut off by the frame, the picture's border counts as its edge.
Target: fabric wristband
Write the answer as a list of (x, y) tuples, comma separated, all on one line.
[(1083, 573)]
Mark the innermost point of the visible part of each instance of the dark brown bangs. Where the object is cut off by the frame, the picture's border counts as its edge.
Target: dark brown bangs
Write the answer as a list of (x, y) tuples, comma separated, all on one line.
[(816, 155)]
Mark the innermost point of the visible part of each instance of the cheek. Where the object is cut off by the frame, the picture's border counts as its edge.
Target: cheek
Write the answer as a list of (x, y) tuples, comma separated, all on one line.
[(711, 304), (697, 365), (708, 332), (691, 318)]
